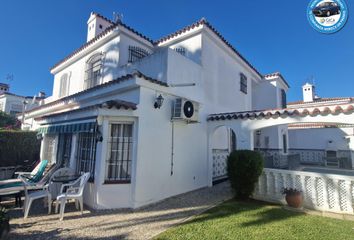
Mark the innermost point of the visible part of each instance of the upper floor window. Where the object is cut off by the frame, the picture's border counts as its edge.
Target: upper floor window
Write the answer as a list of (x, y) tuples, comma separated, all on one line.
[(283, 98), (181, 50), (63, 89), (93, 71), (136, 53), (243, 83)]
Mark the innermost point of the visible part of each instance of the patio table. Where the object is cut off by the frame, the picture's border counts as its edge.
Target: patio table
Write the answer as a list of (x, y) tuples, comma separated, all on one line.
[(60, 180), (65, 179)]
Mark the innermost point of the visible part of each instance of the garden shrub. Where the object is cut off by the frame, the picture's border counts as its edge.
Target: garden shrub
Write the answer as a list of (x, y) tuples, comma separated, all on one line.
[(244, 168), (17, 146)]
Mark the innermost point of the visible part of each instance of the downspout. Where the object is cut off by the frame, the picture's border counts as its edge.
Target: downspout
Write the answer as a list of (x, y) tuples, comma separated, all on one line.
[(172, 146)]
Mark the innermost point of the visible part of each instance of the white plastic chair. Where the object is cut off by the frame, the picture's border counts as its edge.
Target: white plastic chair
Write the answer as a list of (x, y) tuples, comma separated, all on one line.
[(49, 190), (30, 197), (73, 191)]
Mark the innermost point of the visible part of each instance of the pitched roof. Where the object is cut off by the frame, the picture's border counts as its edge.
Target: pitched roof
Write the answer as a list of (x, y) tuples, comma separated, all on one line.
[(322, 100), (99, 36), (118, 104), (277, 74), (334, 109), (115, 81), (204, 22)]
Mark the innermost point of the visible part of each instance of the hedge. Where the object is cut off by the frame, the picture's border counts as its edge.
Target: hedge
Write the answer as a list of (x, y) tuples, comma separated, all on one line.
[(244, 168), (18, 146)]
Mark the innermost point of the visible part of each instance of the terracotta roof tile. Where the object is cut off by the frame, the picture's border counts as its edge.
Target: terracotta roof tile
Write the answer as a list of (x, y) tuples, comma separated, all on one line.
[(322, 100), (277, 74), (335, 109), (203, 21), (118, 104)]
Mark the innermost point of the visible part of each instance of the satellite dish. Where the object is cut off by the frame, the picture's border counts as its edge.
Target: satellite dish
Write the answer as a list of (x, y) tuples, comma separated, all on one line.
[(188, 109)]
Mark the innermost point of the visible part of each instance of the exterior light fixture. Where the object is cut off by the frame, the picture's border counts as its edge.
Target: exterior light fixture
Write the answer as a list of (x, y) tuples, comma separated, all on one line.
[(258, 132), (158, 102), (39, 136)]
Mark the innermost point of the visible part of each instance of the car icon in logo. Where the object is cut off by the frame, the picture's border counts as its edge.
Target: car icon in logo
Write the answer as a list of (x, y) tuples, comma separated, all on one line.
[(326, 9)]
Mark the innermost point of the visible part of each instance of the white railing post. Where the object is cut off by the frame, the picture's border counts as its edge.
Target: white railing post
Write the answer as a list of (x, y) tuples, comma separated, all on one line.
[(349, 196), (325, 194)]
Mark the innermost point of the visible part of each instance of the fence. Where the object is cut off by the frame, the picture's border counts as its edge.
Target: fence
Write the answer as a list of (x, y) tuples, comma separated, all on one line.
[(275, 158), (6, 172), (326, 192), (220, 163)]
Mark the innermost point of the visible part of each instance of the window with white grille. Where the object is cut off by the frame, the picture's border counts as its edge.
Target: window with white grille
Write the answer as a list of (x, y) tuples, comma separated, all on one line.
[(93, 71), (136, 53), (119, 161), (243, 83), (63, 88)]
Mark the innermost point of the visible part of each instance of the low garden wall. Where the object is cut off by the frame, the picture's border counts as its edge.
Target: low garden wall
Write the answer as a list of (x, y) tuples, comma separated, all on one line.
[(325, 192)]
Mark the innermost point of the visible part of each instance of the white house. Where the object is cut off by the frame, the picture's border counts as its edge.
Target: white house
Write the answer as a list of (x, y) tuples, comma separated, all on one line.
[(138, 114), (133, 111), (13, 104), (322, 139)]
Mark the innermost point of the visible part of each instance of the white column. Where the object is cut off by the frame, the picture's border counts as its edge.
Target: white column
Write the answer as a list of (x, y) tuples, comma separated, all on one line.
[(73, 157)]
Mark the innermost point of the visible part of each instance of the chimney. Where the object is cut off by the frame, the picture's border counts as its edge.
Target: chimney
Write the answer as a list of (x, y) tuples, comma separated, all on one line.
[(41, 94), (4, 87), (96, 25), (308, 92)]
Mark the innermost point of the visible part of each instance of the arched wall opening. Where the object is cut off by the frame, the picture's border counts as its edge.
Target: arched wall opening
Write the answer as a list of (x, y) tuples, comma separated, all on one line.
[(223, 142)]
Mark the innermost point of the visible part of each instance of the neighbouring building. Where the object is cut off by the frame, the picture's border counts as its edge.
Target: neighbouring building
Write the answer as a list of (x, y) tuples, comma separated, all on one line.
[(138, 114), (14, 104), (325, 143)]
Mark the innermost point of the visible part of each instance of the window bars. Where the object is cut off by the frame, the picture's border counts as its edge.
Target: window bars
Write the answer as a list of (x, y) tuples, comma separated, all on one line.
[(243, 83), (93, 71), (86, 153), (118, 165), (181, 51), (136, 53)]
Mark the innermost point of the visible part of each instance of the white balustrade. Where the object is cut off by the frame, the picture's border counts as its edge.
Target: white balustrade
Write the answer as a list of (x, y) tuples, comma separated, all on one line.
[(325, 192)]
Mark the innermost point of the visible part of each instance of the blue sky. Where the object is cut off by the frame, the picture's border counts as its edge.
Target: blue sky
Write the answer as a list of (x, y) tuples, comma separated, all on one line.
[(274, 35)]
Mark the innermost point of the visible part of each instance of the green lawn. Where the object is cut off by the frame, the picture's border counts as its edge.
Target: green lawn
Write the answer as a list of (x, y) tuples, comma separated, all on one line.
[(256, 220)]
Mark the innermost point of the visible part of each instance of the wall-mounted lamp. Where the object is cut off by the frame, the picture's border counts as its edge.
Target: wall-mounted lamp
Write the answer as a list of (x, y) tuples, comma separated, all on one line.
[(39, 136), (258, 132), (99, 120), (158, 102)]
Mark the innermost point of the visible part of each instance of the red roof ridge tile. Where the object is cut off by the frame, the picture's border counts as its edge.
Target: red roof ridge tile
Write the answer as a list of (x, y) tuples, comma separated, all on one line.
[(301, 102)]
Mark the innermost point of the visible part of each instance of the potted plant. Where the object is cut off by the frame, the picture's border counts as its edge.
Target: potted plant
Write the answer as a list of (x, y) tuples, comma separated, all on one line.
[(293, 197), (4, 224)]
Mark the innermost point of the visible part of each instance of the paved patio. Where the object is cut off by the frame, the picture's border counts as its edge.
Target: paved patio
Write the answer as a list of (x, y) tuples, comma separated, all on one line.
[(115, 224)]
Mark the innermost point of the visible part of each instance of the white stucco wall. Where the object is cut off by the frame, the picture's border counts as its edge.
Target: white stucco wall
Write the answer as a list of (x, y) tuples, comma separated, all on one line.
[(153, 173), (317, 138)]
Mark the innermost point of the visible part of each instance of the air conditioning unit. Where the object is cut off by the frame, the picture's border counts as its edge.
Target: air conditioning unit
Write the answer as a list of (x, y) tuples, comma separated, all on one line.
[(184, 109)]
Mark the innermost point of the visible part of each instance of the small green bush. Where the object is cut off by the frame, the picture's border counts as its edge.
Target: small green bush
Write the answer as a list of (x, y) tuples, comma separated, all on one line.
[(17, 146), (244, 168)]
